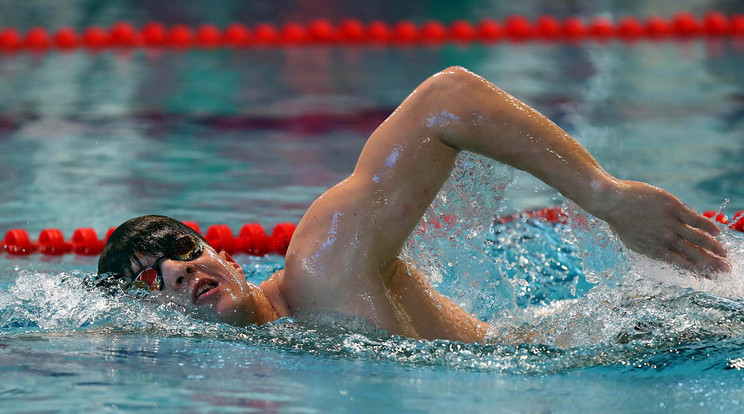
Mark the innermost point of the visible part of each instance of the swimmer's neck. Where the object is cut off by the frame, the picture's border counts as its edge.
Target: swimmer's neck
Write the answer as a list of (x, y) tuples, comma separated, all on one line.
[(270, 288)]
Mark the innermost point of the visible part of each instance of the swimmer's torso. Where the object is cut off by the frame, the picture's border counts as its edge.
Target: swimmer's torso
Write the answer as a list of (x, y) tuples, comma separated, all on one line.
[(343, 257), (402, 303)]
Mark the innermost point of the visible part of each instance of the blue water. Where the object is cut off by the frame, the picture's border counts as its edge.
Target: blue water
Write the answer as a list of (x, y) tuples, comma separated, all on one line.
[(254, 136)]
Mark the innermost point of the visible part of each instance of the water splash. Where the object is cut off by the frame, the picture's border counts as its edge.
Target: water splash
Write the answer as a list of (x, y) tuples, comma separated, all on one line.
[(640, 300), (558, 297), (638, 322), (604, 257), (726, 285), (448, 244)]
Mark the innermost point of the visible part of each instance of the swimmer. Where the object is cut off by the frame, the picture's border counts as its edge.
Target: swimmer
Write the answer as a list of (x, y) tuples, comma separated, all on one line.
[(344, 255)]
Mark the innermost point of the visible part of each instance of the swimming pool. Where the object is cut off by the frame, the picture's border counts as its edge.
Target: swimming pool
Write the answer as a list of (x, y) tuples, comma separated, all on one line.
[(254, 136)]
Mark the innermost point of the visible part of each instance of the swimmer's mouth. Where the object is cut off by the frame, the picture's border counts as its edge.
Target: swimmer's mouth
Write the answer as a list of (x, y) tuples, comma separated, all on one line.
[(205, 288)]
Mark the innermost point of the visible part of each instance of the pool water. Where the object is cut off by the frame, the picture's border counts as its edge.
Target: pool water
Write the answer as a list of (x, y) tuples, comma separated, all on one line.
[(90, 140)]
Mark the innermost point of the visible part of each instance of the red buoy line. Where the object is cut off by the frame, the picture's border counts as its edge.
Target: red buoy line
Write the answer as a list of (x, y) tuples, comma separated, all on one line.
[(252, 238), (353, 31)]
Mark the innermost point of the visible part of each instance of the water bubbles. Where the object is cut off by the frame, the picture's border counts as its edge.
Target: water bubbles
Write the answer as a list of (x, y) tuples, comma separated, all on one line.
[(530, 279), (725, 203), (604, 258), (441, 119), (449, 241), (626, 324), (62, 302)]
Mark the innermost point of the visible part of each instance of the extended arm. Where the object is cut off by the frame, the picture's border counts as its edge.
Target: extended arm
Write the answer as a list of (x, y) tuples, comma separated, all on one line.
[(359, 226), (647, 219)]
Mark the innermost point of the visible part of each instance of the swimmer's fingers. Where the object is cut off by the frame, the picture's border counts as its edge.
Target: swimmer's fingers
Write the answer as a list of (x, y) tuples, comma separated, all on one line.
[(702, 239), (679, 260), (695, 220), (698, 244), (664, 228), (696, 258), (673, 257)]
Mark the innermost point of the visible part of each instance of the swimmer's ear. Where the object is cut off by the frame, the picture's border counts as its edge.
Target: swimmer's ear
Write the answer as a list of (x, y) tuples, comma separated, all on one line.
[(226, 257)]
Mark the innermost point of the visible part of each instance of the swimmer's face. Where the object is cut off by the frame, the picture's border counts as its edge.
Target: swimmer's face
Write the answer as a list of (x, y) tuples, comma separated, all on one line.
[(211, 285)]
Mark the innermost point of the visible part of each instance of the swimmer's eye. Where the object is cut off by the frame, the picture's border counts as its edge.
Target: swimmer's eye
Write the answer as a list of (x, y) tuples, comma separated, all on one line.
[(186, 248), (149, 279)]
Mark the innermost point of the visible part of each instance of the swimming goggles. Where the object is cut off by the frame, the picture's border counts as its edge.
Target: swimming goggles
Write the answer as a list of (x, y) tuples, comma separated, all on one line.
[(183, 250)]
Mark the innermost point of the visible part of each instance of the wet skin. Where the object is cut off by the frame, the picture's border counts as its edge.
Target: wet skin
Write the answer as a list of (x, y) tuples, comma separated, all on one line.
[(344, 254), (214, 287)]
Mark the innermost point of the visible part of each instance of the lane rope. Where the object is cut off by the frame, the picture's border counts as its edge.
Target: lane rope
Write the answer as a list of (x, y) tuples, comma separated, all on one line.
[(350, 31), (252, 239)]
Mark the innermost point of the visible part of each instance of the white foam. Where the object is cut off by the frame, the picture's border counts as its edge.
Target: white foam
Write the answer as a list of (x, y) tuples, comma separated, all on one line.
[(728, 285)]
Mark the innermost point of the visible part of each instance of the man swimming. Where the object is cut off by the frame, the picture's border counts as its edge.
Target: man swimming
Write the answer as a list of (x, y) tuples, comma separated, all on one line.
[(343, 256)]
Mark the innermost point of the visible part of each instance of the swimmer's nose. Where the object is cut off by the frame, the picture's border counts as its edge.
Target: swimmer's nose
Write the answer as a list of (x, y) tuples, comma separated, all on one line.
[(177, 274)]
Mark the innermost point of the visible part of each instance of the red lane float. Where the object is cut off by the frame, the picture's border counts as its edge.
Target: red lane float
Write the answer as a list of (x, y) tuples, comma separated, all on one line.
[(66, 38), (406, 32), (657, 28), (602, 28), (281, 236), (549, 214), (52, 242), (37, 39), (629, 28), (489, 31), (10, 40), (95, 38), (194, 226), (17, 242), (208, 36), (293, 33), (573, 28), (124, 35), (519, 28), (237, 35), (252, 238), (85, 242), (352, 31), (221, 238), (154, 34), (736, 223)]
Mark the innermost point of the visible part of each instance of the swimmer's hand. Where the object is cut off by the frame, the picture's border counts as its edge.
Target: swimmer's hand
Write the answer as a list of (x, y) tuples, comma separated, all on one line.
[(653, 222)]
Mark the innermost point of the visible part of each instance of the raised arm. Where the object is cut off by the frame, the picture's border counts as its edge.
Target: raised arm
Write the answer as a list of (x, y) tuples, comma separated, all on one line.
[(359, 226), (647, 219)]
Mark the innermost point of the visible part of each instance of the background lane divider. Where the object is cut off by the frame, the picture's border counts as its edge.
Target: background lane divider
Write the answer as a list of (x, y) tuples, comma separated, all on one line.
[(352, 31), (252, 239)]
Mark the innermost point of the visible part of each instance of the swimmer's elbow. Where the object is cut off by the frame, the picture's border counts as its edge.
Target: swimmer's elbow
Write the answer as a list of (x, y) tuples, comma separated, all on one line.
[(455, 73), (456, 70), (456, 85), (451, 80)]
